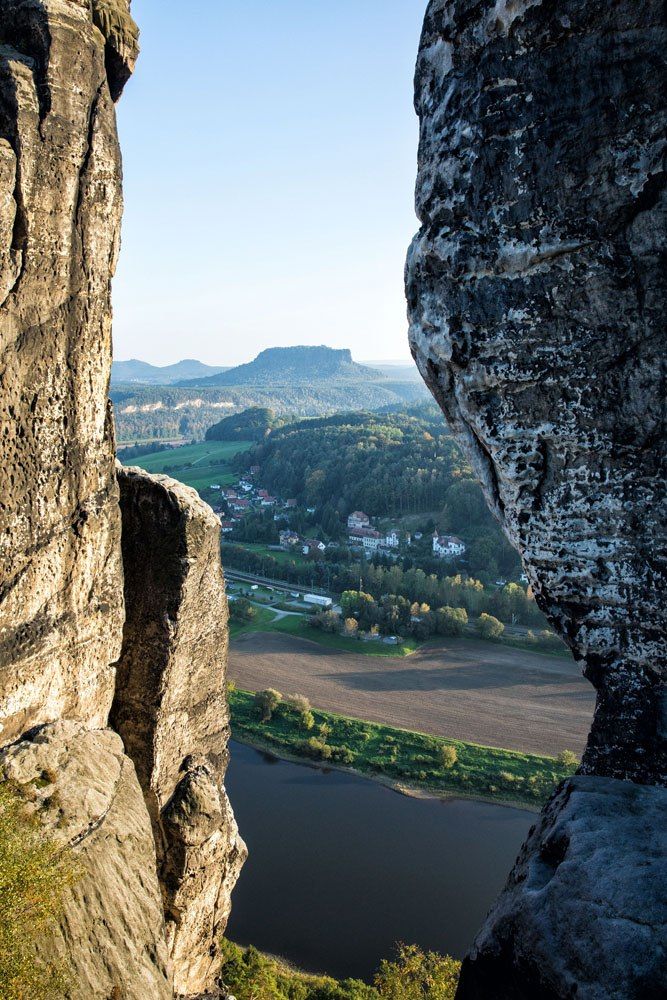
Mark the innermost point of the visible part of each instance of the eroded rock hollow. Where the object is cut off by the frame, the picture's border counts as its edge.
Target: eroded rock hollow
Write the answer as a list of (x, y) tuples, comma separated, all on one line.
[(536, 294), (157, 845)]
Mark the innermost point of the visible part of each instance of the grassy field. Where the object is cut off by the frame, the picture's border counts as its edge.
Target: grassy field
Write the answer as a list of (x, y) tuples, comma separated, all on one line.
[(297, 625), (282, 557), (409, 758), (196, 465)]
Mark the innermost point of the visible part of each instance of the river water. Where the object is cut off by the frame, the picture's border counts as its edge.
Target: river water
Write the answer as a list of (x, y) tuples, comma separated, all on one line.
[(341, 868)]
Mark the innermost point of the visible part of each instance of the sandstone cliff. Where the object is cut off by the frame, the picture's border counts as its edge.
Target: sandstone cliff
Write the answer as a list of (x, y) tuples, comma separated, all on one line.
[(165, 844), (171, 710), (536, 292)]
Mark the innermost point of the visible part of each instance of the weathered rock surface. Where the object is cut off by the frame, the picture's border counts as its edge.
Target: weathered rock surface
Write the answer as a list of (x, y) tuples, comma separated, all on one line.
[(171, 710), (86, 794), (61, 606), (536, 291), (536, 294), (584, 913)]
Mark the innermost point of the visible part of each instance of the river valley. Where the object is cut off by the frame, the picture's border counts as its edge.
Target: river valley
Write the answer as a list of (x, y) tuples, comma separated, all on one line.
[(341, 868)]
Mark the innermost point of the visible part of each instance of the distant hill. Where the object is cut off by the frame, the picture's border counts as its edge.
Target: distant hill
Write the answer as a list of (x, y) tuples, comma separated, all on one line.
[(142, 373), (252, 424), (290, 366)]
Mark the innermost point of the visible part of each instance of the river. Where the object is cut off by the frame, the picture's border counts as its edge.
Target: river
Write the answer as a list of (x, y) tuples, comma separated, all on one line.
[(341, 867)]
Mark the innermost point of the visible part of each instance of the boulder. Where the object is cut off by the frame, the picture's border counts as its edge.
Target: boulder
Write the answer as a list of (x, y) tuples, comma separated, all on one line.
[(584, 912)]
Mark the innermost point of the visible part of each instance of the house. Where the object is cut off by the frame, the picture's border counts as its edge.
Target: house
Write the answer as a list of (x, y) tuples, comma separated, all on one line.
[(358, 519), (368, 537), (310, 510), (288, 539), (214, 486), (254, 470), (391, 540), (262, 494), (239, 504), (290, 503), (447, 546), (312, 547), (268, 501), (226, 526)]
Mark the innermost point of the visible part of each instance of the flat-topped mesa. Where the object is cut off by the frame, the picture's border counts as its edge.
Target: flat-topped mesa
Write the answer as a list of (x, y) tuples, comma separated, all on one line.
[(171, 710), (536, 292)]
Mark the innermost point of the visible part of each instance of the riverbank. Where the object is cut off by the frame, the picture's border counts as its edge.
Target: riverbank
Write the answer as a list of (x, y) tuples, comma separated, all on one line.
[(409, 762)]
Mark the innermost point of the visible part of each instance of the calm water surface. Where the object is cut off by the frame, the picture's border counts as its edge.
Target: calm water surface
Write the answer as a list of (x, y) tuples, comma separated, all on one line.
[(341, 868)]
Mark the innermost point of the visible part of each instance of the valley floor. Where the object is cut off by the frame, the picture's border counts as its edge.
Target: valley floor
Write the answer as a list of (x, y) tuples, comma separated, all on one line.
[(458, 689)]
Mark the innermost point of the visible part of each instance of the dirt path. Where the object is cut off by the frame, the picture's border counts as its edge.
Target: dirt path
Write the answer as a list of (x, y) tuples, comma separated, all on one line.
[(463, 689)]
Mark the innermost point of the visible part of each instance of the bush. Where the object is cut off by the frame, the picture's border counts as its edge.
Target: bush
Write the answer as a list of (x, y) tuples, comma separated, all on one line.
[(34, 875), (298, 703), (568, 760), (316, 749), (418, 975), (241, 610), (451, 621), (448, 756), (489, 627), (267, 702)]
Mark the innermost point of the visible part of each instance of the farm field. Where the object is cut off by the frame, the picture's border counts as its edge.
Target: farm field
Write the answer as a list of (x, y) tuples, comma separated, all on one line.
[(461, 689), (196, 465), (397, 754)]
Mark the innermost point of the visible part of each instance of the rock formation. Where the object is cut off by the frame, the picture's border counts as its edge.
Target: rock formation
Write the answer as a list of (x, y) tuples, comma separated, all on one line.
[(62, 606), (171, 709), (536, 292), (84, 790)]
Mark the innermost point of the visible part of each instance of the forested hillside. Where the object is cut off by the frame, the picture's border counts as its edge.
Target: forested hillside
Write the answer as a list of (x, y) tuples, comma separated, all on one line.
[(396, 465)]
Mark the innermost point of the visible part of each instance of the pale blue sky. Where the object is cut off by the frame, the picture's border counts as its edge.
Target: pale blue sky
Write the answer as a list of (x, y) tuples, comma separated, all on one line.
[(269, 156)]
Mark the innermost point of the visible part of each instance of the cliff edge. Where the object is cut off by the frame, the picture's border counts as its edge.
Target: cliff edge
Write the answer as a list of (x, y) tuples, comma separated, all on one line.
[(536, 295), (149, 823)]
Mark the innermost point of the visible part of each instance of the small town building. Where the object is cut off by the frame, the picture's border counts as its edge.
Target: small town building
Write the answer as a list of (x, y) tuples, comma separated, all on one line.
[(226, 526), (318, 600), (391, 540), (291, 502), (447, 546), (358, 519), (313, 547), (288, 539)]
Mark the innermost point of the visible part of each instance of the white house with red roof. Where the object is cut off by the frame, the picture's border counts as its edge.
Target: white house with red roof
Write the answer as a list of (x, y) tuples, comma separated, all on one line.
[(447, 546), (358, 519)]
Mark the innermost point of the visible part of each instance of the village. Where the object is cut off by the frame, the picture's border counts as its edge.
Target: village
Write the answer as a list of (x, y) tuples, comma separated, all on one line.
[(236, 502)]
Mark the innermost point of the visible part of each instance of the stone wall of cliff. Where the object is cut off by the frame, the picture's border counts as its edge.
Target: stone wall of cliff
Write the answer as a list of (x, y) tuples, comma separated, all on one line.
[(150, 824), (171, 710), (536, 294)]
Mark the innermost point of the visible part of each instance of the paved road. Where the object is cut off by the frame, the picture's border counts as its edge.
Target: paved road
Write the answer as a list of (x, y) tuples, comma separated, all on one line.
[(463, 689)]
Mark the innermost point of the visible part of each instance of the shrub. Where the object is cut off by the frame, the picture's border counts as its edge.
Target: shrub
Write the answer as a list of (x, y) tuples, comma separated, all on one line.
[(489, 627), (343, 755), (267, 702), (448, 756), (298, 703), (316, 749), (418, 975), (241, 610), (568, 760), (307, 720), (35, 873), (451, 621)]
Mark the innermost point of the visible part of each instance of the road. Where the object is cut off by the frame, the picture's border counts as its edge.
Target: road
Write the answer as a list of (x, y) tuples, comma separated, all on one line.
[(464, 689)]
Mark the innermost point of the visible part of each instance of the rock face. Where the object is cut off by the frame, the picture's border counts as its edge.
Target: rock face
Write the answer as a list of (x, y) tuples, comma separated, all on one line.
[(87, 796), (536, 291), (587, 893), (61, 607), (536, 295), (171, 710)]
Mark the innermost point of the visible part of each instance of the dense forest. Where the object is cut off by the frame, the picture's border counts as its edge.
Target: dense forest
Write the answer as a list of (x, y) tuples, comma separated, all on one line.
[(252, 424), (391, 465), (150, 412)]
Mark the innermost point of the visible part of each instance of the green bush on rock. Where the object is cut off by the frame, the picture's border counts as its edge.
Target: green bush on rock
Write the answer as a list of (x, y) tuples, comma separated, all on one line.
[(35, 872)]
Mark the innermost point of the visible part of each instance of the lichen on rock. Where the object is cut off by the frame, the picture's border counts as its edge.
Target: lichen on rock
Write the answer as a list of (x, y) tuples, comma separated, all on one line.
[(536, 296)]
